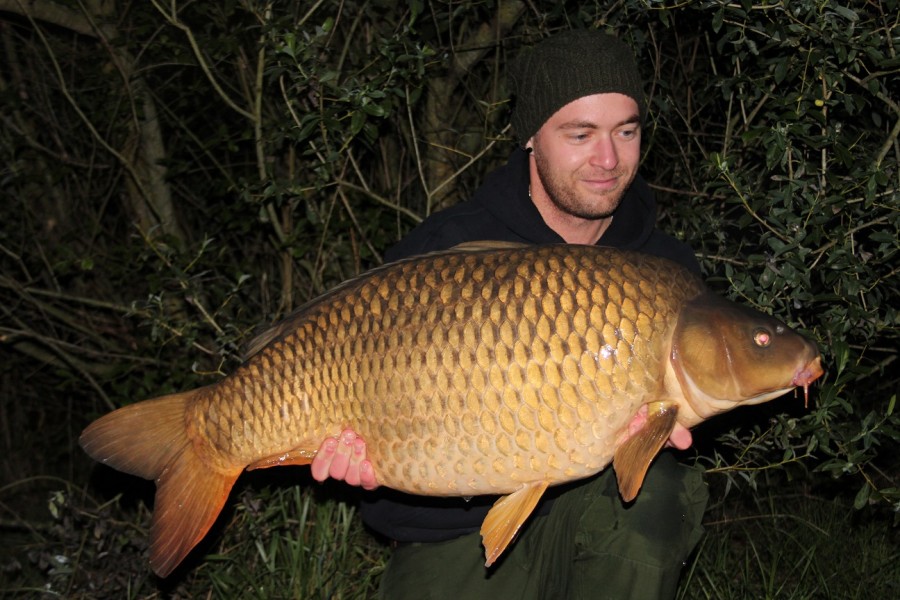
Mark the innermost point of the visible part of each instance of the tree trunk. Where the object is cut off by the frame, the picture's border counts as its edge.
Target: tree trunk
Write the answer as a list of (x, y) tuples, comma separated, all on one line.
[(148, 196), (440, 160)]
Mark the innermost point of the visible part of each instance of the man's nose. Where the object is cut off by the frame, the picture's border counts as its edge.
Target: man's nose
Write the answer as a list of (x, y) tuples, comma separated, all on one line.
[(603, 154)]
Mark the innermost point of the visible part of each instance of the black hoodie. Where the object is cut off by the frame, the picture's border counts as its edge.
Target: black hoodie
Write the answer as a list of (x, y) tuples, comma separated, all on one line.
[(501, 209)]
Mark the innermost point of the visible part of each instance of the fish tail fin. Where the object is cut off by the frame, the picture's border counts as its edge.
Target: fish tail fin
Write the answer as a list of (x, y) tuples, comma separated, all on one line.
[(189, 497), (149, 439)]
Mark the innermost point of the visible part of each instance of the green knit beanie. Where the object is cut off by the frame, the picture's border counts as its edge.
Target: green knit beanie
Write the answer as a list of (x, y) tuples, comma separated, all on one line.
[(566, 67)]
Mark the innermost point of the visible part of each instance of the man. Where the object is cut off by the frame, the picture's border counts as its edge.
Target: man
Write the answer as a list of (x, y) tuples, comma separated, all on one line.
[(578, 113)]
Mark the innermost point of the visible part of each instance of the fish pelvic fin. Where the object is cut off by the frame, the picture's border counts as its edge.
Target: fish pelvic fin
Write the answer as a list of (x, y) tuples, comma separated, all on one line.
[(297, 457), (150, 439), (506, 517), (633, 457)]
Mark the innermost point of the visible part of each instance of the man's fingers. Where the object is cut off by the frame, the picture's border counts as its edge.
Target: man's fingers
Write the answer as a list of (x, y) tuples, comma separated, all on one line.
[(355, 451), (367, 476), (344, 459), (321, 464), (340, 462), (681, 438)]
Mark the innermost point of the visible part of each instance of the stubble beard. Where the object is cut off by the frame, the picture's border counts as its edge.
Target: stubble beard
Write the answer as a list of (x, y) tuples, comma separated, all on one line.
[(566, 198)]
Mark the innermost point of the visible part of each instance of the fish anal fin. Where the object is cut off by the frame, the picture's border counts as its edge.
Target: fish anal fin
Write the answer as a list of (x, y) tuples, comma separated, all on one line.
[(506, 517), (633, 457), (296, 456)]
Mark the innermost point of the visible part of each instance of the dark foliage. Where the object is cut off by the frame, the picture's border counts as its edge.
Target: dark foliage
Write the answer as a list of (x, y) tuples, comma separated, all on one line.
[(175, 176)]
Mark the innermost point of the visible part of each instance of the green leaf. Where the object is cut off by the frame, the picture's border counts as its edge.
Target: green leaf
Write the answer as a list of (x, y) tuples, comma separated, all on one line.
[(357, 121), (862, 496), (718, 18), (845, 12)]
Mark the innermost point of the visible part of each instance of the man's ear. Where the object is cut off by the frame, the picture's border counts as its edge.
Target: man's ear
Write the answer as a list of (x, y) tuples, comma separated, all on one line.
[(529, 145)]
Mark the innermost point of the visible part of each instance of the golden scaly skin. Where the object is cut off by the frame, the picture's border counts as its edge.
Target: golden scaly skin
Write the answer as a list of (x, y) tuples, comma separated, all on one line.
[(465, 372)]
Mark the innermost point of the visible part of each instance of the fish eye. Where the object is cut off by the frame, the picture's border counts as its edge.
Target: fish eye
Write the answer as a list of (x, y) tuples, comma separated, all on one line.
[(762, 338)]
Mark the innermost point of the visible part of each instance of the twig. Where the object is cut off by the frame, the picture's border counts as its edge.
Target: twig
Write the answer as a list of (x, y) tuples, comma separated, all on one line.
[(353, 218), (749, 208), (415, 144), (198, 54), (471, 160), (379, 199)]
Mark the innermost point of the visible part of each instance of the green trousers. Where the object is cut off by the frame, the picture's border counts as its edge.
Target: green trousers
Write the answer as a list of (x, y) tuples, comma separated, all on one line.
[(590, 545)]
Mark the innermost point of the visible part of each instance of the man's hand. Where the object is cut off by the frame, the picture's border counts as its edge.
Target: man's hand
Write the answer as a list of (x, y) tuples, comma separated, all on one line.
[(344, 459), (680, 438)]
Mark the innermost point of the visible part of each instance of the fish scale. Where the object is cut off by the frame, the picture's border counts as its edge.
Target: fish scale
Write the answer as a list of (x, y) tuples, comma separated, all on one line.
[(487, 369), (476, 344)]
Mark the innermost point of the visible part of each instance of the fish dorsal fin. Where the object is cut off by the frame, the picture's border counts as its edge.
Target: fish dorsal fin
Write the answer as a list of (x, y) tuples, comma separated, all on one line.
[(485, 245), (289, 323), (506, 517), (633, 457)]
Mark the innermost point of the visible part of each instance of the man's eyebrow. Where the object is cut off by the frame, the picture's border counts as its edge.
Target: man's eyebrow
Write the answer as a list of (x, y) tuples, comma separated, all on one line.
[(584, 124), (579, 125)]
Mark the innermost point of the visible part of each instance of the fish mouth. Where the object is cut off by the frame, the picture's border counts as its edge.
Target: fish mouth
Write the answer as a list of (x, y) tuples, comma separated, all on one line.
[(806, 375)]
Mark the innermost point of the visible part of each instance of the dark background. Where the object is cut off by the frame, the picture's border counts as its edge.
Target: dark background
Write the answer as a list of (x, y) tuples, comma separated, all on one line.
[(175, 175)]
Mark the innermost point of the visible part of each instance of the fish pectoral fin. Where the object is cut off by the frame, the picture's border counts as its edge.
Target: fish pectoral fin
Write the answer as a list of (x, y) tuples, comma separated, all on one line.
[(296, 456), (506, 517), (633, 457)]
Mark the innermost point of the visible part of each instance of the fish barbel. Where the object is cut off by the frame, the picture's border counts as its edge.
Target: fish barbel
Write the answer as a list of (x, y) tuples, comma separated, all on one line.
[(491, 368)]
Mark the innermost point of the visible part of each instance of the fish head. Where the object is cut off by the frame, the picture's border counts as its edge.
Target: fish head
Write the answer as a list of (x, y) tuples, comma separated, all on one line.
[(725, 355)]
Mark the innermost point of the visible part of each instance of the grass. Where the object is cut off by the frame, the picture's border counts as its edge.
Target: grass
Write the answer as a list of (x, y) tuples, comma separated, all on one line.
[(287, 543), (794, 547), (286, 537), (275, 540)]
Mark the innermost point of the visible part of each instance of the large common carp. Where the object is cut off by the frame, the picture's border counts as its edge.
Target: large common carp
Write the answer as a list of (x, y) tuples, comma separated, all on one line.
[(485, 369)]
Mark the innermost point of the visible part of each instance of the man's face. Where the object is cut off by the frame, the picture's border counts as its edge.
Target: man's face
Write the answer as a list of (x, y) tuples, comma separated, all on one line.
[(587, 154)]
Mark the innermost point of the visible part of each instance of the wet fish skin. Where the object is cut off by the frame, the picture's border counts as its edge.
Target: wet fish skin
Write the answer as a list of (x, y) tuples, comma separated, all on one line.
[(484, 370), (461, 363)]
